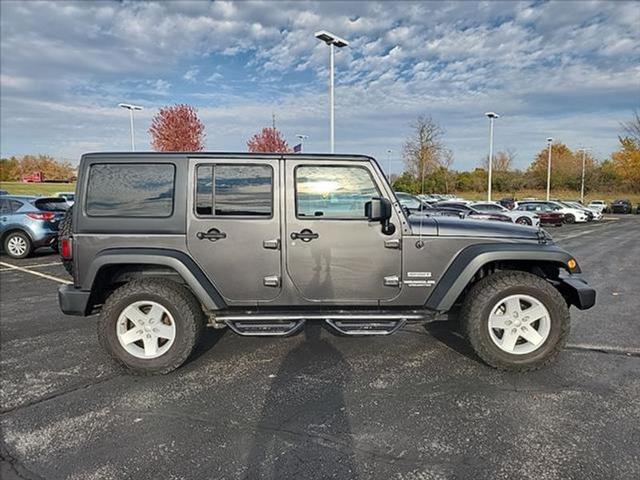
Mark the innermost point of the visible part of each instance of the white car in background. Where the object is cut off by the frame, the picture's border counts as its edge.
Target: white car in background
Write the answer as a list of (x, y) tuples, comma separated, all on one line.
[(598, 206), (597, 215), (518, 216), (69, 197), (571, 215)]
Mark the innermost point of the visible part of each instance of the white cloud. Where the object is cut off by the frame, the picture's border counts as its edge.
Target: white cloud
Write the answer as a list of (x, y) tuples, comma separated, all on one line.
[(191, 74)]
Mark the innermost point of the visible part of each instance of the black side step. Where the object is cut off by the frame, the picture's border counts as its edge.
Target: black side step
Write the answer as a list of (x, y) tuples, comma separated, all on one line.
[(274, 328), (375, 327)]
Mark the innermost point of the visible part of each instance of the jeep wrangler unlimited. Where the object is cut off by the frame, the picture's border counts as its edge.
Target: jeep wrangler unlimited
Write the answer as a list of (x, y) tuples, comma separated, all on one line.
[(164, 244)]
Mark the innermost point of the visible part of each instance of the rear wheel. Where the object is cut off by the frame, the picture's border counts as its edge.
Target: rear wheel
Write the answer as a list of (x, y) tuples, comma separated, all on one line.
[(524, 221), (151, 326), (515, 321), (18, 245)]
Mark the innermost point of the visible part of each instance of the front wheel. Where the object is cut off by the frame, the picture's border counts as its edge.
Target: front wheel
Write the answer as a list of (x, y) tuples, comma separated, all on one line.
[(150, 326), (524, 221), (18, 245), (515, 320)]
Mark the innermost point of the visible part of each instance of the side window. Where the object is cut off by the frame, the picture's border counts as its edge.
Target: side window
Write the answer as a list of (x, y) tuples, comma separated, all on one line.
[(234, 190), (14, 206), (4, 206), (130, 190), (333, 192)]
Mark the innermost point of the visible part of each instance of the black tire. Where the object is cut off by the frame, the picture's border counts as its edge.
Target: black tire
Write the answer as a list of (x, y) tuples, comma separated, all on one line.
[(524, 221), (180, 302), (21, 237), (65, 231), (569, 219), (484, 295)]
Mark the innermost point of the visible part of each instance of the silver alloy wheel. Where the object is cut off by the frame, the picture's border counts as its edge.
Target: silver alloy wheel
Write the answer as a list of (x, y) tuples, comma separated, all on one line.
[(519, 324), (146, 329), (17, 246)]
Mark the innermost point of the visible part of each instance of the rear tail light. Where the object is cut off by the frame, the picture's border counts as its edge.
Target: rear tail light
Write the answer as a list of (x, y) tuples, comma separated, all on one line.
[(66, 248), (44, 216)]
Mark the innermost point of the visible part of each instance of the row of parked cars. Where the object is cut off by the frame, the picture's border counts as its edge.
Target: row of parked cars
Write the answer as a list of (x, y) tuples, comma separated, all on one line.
[(529, 211), (28, 222)]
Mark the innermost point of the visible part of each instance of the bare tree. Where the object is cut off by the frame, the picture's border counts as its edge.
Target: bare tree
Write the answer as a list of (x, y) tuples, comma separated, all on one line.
[(632, 127), (502, 161), (424, 151)]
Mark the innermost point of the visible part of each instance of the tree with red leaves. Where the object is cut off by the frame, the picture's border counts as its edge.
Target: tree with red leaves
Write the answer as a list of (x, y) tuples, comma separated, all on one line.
[(269, 140), (177, 129)]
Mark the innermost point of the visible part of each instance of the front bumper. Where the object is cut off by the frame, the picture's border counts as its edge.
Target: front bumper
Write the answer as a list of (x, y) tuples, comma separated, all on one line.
[(73, 301), (577, 291)]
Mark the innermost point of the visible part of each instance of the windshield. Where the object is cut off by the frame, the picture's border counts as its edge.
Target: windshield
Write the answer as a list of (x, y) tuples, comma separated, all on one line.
[(52, 204)]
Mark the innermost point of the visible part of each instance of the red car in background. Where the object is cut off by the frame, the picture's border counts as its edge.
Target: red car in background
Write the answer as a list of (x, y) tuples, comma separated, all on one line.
[(546, 214)]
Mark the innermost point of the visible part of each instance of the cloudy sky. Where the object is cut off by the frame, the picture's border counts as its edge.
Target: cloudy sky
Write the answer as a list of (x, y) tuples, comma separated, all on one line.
[(565, 69)]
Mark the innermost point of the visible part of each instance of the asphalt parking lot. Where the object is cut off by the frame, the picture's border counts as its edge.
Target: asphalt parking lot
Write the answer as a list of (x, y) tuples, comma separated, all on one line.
[(414, 406)]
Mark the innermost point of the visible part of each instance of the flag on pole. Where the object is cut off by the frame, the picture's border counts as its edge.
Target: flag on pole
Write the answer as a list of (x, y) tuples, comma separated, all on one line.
[(297, 148)]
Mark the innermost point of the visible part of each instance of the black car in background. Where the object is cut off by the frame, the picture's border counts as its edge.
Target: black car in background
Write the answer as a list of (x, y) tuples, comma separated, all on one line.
[(621, 206), (466, 211), (509, 203)]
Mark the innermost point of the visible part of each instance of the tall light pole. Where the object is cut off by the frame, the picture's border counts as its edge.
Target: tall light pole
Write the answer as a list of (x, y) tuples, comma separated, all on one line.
[(302, 138), (389, 152), (332, 41), (131, 109), (549, 143), (491, 116), (584, 158)]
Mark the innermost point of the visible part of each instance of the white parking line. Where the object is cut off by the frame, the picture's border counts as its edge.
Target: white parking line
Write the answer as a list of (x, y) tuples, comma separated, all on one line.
[(38, 274), (35, 265)]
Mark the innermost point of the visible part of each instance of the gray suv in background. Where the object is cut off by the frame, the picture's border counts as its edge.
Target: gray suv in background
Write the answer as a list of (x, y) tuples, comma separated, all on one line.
[(164, 244)]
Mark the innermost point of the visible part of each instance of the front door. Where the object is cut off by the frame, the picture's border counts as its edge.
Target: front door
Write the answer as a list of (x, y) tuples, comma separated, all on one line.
[(234, 226), (333, 253)]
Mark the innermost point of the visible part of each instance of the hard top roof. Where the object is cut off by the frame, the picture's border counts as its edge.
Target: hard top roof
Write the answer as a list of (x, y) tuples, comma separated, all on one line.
[(229, 155)]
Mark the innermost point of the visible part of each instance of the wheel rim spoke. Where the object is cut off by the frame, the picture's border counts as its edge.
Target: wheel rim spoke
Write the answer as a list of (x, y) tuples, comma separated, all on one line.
[(498, 321), (136, 315), (531, 335), (156, 313), (533, 313), (164, 331), (509, 339), (131, 336), (150, 345)]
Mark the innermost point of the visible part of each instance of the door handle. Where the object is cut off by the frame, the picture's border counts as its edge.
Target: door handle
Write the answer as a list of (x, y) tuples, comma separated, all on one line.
[(212, 235), (305, 235)]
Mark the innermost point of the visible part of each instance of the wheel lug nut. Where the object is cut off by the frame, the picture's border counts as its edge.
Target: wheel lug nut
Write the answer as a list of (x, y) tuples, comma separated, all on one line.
[(508, 322), (139, 331), (148, 335)]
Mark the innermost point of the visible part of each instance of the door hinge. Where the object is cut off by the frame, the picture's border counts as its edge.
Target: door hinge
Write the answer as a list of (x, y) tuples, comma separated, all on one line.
[(271, 244), (271, 281), (392, 281), (394, 243)]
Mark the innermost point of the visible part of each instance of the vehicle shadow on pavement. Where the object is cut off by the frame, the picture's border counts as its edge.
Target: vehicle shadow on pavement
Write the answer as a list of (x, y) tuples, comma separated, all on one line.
[(304, 429), (448, 334)]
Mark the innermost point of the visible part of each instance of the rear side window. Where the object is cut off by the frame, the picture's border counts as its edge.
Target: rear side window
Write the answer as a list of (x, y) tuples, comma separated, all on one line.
[(234, 190), (130, 190)]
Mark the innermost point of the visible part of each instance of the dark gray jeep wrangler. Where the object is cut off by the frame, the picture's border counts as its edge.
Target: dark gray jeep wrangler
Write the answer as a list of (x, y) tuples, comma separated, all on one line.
[(166, 244)]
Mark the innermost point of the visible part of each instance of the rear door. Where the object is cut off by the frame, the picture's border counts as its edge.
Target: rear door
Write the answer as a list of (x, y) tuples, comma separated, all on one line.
[(333, 253), (233, 229)]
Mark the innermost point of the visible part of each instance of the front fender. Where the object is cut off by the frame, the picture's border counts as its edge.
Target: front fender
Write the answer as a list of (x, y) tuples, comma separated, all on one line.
[(470, 260)]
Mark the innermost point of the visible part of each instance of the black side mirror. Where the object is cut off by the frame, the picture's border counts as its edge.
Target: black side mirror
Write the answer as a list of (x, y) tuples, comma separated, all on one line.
[(378, 209)]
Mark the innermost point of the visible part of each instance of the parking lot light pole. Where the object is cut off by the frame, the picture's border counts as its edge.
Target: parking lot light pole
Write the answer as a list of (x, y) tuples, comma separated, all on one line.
[(491, 116), (389, 152), (332, 41), (584, 158), (302, 138), (131, 109), (549, 143)]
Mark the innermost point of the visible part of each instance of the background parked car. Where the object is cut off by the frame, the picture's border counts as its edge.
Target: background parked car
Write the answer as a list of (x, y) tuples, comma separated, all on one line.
[(548, 215), (411, 203), (4, 192), (521, 217), (598, 205), (508, 202), (68, 196), (571, 215), (621, 206), (593, 214), (471, 212), (27, 223)]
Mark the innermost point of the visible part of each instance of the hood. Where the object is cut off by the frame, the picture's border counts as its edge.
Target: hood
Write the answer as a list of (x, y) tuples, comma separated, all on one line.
[(457, 227)]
